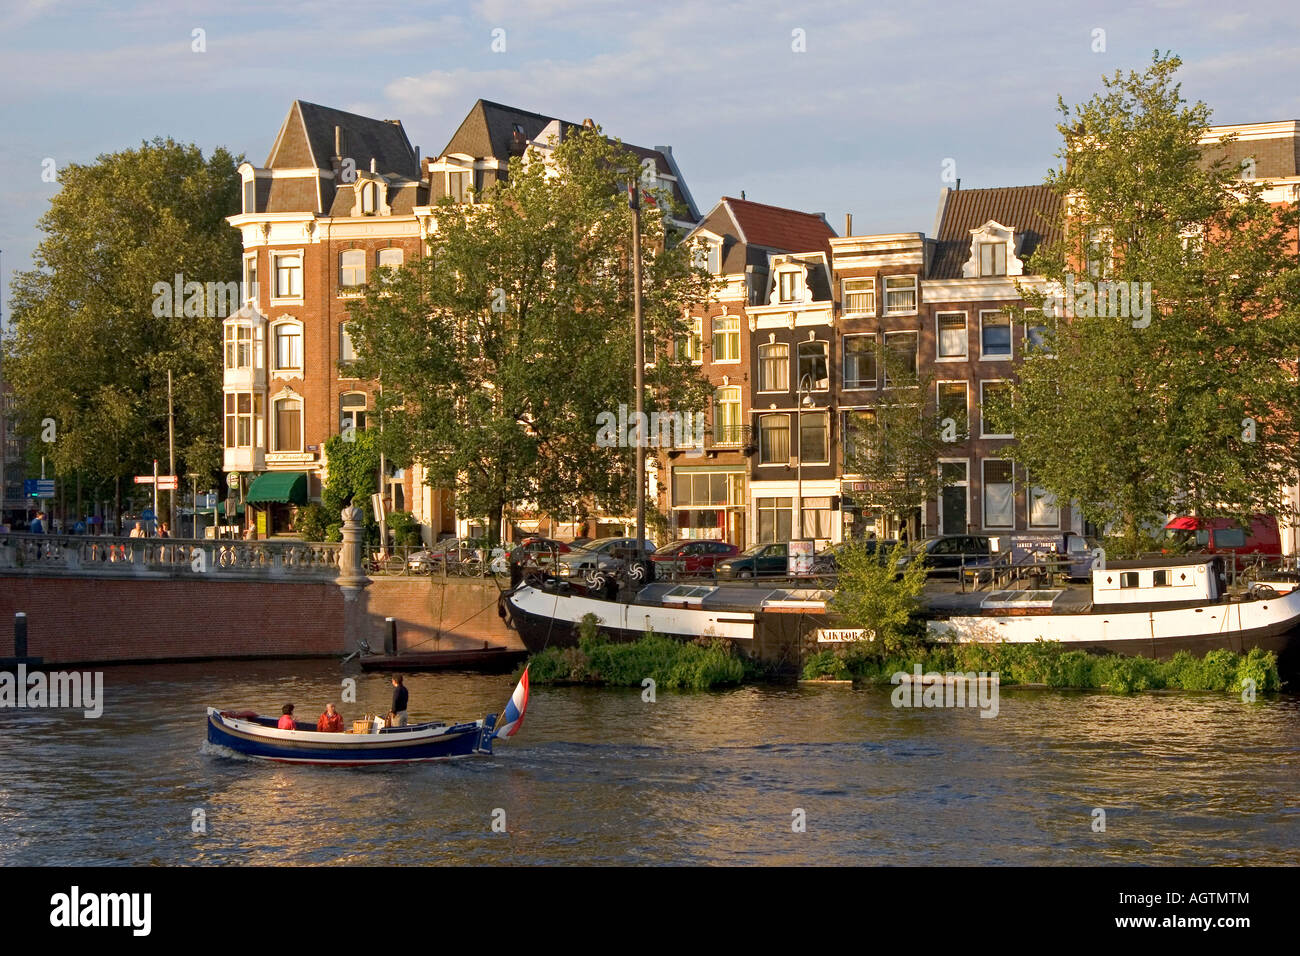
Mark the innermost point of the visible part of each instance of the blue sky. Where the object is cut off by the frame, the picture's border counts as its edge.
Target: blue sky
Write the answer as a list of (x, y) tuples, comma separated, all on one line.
[(861, 121)]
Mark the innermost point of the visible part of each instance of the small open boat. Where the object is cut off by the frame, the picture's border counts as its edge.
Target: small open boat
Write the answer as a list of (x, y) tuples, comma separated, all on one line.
[(253, 735)]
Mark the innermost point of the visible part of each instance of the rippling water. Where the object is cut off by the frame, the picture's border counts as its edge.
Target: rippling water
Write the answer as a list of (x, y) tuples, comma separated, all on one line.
[(598, 776)]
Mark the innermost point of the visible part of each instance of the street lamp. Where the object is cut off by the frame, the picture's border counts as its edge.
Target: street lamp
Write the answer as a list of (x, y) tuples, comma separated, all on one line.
[(805, 398)]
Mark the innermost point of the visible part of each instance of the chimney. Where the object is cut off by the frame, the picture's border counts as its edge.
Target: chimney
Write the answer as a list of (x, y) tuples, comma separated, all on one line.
[(417, 157), (958, 183), (848, 224), (588, 124), (340, 141), (373, 161)]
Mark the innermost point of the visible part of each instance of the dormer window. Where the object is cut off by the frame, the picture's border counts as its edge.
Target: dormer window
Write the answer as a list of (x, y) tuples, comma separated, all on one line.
[(250, 195), (708, 256), (993, 258), (787, 286), (458, 183), (368, 199)]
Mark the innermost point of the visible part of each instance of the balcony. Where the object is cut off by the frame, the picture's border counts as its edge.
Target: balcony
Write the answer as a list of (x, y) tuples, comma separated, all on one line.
[(730, 436)]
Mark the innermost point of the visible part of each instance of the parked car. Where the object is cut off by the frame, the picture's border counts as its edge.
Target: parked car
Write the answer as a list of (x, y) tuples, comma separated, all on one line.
[(426, 560), (539, 550), (762, 560), (1226, 535), (946, 555), (827, 561), (690, 556), (603, 558)]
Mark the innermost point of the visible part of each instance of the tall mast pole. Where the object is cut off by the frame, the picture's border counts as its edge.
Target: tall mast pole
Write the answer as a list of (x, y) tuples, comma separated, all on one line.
[(171, 456), (634, 200)]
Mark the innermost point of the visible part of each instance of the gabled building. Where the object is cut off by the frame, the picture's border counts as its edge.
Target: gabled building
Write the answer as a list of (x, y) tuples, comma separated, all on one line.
[(708, 493)]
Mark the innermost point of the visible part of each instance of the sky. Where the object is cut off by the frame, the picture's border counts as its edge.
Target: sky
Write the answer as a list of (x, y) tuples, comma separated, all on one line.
[(826, 106)]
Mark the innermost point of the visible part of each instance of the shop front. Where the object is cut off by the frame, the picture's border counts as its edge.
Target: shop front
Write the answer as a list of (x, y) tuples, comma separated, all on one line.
[(273, 498), (709, 503)]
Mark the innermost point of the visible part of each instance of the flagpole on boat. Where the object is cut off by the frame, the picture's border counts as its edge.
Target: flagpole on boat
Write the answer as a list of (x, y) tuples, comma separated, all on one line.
[(634, 202)]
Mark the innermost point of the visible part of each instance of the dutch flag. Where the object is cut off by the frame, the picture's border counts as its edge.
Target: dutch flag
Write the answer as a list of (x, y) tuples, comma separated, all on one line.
[(513, 716)]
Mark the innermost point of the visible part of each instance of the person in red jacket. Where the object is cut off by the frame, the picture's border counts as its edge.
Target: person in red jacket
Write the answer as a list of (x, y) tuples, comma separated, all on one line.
[(330, 722), (286, 718)]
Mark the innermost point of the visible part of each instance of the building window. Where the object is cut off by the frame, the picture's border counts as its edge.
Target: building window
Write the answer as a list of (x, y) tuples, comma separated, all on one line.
[(1038, 337), (727, 429), (774, 440), (999, 495), (993, 258), (288, 424), (900, 295), (250, 279), (787, 286), (353, 408), (775, 519), (995, 335), (458, 185), (288, 347), (708, 489), (1100, 252), (1043, 509), (726, 338), (690, 347), (814, 366), (952, 403), (900, 359), (774, 367), (243, 411), (708, 256), (952, 338), (814, 438), (352, 269), (994, 397), (391, 258), (859, 361), (859, 433), (250, 196), (859, 297), (239, 346), (347, 351), (288, 276), (368, 199), (815, 514)]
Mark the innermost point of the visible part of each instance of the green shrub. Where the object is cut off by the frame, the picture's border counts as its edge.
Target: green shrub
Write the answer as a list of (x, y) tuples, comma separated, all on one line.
[(406, 530), (671, 663), (309, 522), (826, 665)]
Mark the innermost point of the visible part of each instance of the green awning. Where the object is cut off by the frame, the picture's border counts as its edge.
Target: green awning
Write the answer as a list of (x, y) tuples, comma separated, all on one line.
[(279, 487), (221, 508)]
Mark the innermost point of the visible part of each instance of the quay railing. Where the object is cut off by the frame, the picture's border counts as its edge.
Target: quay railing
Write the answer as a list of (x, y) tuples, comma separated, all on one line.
[(126, 555)]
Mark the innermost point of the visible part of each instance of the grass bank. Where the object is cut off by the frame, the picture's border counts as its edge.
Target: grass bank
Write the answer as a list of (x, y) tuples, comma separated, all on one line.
[(1051, 664)]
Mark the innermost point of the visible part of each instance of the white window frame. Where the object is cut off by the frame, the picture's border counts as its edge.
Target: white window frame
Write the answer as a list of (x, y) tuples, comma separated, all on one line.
[(276, 256), (938, 338), (276, 326), (379, 257), (726, 318), (844, 377), (998, 249), (883, 371), (287, 396), (251, 283), (1011, 342), (762, 378), (1030, 489), (984, 495), (845, 293), (356, 288), (983, 382), (825, 414), (1044, 322), (344, 412), (826, 354), (346, 364), (739, 423), (796, 286), (915, 290)]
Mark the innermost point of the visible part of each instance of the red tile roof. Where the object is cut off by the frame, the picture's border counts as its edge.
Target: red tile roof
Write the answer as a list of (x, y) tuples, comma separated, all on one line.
[(777, 228)]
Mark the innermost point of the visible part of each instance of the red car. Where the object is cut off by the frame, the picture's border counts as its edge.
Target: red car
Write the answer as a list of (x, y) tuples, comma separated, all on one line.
[(1225, 536), (692, 557)]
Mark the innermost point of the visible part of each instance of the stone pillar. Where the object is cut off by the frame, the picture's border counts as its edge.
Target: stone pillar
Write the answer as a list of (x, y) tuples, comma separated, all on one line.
[(353, 581)]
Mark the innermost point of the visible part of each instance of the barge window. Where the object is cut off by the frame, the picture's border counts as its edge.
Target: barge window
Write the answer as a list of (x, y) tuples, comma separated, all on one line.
[(1128, 579), (1160, 579)]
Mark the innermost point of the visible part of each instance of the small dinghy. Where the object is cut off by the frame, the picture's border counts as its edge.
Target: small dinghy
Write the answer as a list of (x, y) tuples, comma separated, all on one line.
[(254, 735)]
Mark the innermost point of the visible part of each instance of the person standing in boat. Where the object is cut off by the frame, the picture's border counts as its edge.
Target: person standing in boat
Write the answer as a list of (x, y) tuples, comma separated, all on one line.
[(330, 722), (286, 718), (400, 697)]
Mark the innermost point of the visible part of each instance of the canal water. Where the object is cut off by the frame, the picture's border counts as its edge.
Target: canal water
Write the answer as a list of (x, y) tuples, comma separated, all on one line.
[(602, 776)]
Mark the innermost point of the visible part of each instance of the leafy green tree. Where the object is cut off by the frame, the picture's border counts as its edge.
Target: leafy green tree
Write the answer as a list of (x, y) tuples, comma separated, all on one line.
[(85, 347), (1175, 391), (871, 594), (352, 476), (508, 341)]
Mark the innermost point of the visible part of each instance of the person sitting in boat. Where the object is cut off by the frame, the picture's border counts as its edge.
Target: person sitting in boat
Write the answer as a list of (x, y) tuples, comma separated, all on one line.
[(286, 718), (330, 722), (400, 697)]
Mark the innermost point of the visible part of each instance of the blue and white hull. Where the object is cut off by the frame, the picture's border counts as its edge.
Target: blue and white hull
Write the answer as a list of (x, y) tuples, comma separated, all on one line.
[(257, 736)]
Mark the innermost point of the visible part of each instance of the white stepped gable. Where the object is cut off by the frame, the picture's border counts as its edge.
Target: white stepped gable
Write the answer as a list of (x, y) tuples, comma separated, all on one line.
[(992, 231)]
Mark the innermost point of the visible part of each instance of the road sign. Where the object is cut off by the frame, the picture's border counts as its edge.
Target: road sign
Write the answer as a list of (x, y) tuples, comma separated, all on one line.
[(147, 514), (144, 479), (168, 483), (38, 487), (232, 480)]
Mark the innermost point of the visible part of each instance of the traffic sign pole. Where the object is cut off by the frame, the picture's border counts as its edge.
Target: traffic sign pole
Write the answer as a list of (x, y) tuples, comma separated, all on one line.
[(155, 491)]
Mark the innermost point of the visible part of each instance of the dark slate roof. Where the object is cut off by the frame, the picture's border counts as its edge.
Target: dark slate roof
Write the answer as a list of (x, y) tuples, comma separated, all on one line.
[(1033, 211), (288, 195), (499, 131), (307, 139)]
